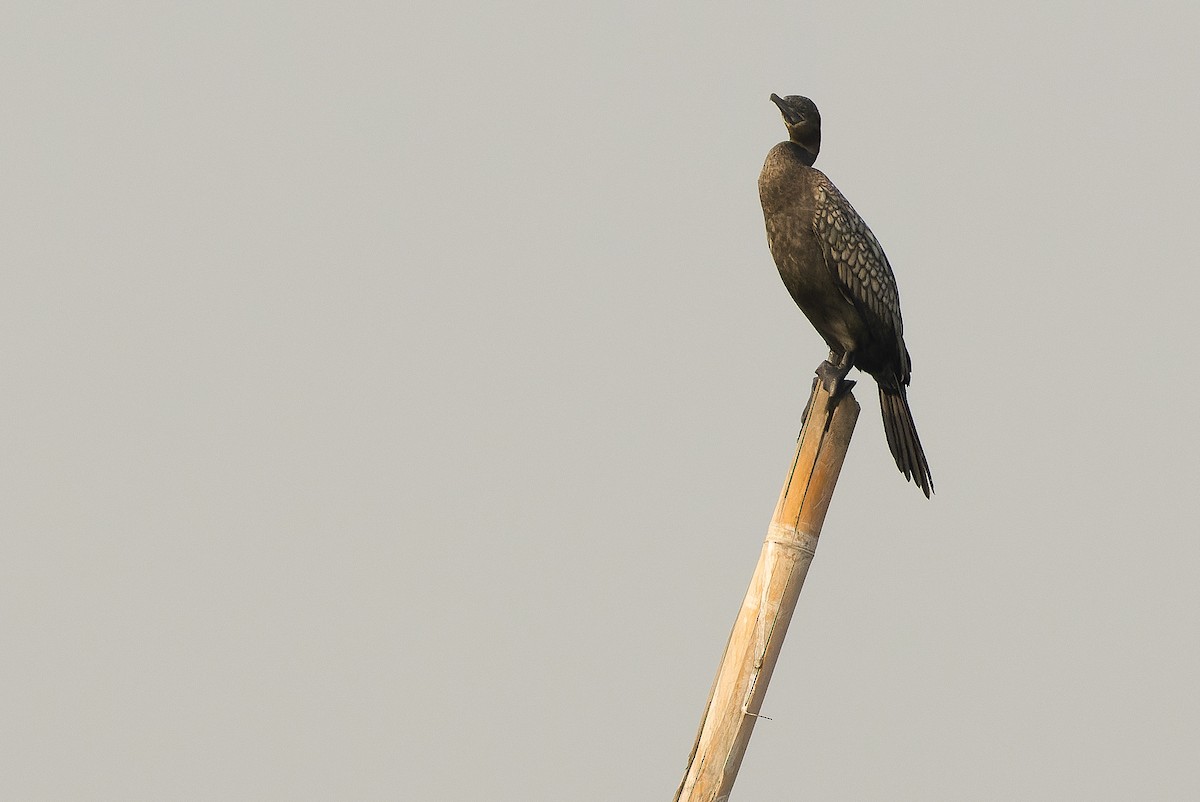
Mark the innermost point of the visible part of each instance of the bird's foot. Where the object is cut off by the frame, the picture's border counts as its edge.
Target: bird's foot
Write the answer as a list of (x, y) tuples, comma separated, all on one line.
[(833, 377), (844, 386)]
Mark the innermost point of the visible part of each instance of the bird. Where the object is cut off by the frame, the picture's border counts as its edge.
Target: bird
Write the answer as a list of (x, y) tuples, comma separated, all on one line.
[(837, 273)]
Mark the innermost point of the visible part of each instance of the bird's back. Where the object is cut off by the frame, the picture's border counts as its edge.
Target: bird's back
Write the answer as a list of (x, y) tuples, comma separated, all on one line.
[(832, 265)]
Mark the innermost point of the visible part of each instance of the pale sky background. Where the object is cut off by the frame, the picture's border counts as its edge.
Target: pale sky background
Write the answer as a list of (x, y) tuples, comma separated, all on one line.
[(395, 397)]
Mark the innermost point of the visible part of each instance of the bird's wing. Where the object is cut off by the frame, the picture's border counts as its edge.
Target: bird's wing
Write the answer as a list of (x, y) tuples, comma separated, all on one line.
[(855, 258)]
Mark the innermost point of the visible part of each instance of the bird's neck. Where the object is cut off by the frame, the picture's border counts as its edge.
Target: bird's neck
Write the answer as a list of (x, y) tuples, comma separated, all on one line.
[(806, 151)]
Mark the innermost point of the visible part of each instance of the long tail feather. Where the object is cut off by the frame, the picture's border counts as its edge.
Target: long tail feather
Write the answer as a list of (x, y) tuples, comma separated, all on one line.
[(902, 438)]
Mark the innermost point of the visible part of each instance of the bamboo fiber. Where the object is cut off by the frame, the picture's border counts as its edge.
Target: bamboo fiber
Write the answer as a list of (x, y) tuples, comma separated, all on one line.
[(758, 633)]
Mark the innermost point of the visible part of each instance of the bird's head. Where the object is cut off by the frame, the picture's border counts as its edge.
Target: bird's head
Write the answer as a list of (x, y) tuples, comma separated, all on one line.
[(803, 122)]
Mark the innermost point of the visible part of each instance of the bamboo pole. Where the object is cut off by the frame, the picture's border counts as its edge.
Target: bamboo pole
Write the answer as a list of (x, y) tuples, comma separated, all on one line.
[(741, 683)]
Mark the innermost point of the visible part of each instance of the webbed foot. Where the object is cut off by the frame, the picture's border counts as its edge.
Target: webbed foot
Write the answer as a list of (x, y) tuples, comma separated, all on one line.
[(832, 377), (833, 374)]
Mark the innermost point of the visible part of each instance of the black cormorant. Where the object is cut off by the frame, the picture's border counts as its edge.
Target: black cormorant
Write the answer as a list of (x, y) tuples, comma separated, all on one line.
[(836, 272)]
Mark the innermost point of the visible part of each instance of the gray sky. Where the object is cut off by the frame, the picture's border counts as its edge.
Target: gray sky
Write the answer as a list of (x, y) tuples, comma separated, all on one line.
[(395, 399)]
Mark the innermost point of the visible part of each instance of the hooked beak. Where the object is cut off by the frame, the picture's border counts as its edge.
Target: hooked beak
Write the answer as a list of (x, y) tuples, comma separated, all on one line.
[(790, 116)]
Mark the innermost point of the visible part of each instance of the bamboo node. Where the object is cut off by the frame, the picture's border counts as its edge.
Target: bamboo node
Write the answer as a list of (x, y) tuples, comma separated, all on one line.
[(792, 538), (753, 648)]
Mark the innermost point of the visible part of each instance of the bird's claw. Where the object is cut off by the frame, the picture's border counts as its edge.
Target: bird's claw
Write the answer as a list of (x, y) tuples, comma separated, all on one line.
[(833, 378)]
